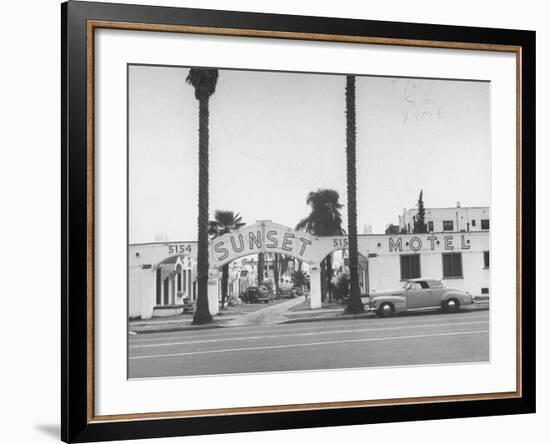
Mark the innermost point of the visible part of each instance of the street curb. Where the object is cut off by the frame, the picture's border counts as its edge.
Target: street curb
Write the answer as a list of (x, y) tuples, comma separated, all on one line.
[(175, 329), (327, 318), (289, 321), (361, 316)]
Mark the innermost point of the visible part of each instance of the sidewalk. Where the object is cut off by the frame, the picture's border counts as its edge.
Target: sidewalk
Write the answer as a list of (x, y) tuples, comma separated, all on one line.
[(280, 313), (177, 324), (232, 317), (335, 314)]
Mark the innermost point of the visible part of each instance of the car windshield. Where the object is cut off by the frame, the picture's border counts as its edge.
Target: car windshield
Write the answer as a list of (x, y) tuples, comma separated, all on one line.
[(407, 285)]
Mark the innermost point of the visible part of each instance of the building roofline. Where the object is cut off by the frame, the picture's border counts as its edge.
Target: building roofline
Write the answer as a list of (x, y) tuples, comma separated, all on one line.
[(162, 243), (359, 235), (448, 208)]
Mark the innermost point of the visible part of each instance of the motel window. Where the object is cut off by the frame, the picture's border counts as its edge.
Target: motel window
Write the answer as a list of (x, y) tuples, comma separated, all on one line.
[(410, 266), (448, 225), (485, 259), (452, 265), (485, 290), (430, 225), (484, 224)]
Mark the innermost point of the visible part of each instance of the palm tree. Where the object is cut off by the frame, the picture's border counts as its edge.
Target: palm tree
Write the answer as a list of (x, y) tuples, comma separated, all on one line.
[(324, 220), (355, 305), (285, 260), (224, 222), (299, 278), (204, 81), (276, 262)]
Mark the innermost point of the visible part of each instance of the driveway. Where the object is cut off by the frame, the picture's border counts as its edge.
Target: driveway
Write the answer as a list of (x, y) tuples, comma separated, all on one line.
[(272, 314)]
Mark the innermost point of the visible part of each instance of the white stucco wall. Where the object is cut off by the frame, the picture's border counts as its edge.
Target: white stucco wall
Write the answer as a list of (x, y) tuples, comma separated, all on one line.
[(382, 251), (385, 267), (141, 291)]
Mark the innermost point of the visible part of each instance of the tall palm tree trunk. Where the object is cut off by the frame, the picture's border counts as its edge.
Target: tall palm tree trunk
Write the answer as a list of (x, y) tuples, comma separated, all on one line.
[(329, 276), (260, 270), (276, 273), (355, 305), (202, 313), (225, 280), (323, 280)]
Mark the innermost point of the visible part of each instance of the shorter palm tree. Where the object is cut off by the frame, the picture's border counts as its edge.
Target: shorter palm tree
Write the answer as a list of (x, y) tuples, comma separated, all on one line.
[(324, 220), (224, 222), (300, 279)]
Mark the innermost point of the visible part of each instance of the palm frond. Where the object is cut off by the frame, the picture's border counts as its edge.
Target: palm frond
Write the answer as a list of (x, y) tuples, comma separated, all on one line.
[(204, 81), (325, 218), (224, 222)]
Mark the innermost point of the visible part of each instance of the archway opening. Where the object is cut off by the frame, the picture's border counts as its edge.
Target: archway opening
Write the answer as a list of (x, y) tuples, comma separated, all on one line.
[(268, 274), (175, 285), (334, 270)]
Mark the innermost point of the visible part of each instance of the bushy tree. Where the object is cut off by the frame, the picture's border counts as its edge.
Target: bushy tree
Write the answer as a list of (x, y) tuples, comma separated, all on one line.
[(300, 278), (342, 286), (393, 229), (324, 220), (224, 222), (419, 225)]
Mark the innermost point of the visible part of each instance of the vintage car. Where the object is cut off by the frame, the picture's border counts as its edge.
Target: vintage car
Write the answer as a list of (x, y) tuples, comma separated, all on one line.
[(418, 294), (285, 293), (254, 295)]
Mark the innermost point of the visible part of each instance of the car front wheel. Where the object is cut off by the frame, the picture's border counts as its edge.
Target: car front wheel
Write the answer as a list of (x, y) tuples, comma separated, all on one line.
[(451, 306), (386, 310)]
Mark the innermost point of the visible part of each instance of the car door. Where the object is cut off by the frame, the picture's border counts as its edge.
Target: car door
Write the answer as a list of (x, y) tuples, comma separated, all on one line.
[(417, 296), (437, 294)]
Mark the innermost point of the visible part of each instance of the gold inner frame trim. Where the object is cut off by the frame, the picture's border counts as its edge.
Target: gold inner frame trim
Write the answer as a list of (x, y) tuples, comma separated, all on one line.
[(98, 24)]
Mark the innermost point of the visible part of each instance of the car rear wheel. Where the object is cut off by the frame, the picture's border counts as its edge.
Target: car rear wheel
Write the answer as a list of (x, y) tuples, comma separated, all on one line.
[(386, 310), (451, 306)]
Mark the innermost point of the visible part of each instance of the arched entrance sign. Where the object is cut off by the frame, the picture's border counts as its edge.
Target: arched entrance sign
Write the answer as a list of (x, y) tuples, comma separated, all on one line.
[(263, 237), (268, 237)]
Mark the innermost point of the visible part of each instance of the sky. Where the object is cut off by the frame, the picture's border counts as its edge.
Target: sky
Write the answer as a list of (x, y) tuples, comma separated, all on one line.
[(274, 137)]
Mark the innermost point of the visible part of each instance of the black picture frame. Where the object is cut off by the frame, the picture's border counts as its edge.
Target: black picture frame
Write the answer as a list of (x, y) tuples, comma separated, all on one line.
[(77, 423)]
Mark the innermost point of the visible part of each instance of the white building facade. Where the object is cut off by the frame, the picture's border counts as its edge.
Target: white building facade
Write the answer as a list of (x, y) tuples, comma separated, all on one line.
[(452, 219), (461, 260), (163, 274)]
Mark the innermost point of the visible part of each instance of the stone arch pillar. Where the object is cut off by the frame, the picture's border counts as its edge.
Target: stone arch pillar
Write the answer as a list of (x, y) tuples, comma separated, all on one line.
[(315, 285), (213, 296)]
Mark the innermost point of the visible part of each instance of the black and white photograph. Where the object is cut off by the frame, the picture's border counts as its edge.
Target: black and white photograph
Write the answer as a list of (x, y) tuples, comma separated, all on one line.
[(278, 221), (305, 221)]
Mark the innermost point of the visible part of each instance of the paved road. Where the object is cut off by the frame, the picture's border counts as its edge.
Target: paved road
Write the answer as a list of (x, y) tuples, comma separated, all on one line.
[(405, 340)]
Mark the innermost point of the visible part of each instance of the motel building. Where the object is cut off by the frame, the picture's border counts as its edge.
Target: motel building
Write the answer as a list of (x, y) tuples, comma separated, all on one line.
[(162, 275)]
